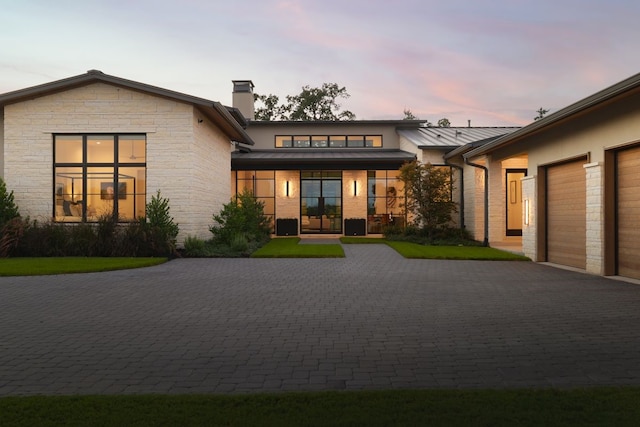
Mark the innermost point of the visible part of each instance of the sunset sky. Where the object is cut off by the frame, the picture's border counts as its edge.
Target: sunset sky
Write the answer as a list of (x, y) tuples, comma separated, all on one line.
[(492, 62)]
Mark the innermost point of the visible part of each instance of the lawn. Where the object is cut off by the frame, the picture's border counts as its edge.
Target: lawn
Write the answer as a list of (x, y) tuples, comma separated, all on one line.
[(415, 250), (289, 247), (579, 407), (65, 265)]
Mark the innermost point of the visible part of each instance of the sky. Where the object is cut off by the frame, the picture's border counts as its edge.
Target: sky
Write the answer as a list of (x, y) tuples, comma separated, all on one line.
[(493, 62)]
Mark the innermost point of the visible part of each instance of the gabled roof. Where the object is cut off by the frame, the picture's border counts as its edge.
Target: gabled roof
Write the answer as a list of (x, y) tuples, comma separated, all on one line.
[(216, 112), (451, 137), (608, 94)]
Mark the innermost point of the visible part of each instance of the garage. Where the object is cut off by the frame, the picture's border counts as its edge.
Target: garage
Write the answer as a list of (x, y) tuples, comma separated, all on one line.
[(628, 212), (566, 214)]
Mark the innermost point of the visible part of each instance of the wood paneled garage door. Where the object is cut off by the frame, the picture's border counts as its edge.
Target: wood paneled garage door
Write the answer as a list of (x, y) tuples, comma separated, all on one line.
[(566, 214), (628, 212)]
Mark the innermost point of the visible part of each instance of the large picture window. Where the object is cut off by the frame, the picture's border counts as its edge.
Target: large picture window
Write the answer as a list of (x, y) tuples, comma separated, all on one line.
[(97, 175)]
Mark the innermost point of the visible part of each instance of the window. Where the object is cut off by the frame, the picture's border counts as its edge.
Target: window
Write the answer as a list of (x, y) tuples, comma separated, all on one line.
[(263, 186), (328, 141), (385, 199), (96, 175)]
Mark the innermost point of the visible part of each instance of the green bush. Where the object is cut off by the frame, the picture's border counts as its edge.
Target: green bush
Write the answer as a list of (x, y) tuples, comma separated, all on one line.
[(242, 216), (438, 236), (159, 227), (8, 208), (152, 236)]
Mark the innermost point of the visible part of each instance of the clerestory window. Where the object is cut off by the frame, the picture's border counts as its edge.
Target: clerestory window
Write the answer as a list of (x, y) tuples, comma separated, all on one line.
[(328, 141)]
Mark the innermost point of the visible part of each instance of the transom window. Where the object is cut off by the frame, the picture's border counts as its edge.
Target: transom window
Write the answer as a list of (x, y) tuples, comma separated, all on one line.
[(328, 141), (97, 175)]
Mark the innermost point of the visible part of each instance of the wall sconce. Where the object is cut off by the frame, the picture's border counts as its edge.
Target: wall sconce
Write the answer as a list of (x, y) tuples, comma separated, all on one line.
[(287, 189), (526, 211), (355, 188)]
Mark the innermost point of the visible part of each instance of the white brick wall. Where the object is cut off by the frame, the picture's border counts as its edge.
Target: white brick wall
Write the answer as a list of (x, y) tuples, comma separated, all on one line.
[(288, 206), (595, 214), (529, 232), (188, 161), (354, 206)]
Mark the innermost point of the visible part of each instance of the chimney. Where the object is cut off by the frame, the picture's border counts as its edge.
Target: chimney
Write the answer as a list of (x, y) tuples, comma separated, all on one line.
[(469, 123), (243, 98)]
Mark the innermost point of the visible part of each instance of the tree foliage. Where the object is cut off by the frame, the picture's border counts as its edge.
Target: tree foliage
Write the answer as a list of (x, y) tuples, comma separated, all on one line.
[(541, 113), (408, 115), (8, 207), (312, 104), (428, 192), (444, 123)]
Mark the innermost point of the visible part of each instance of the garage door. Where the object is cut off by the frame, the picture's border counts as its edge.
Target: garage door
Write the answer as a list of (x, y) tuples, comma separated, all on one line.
[(628, 212), (566, 218)]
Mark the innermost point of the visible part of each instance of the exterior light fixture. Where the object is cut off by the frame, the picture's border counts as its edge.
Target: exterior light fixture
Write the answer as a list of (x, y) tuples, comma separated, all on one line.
[(526, 211), (355, 188), (287, 189)]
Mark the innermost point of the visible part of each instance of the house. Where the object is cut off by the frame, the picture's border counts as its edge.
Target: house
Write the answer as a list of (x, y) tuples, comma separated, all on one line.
[(323, 174), (94, 144), (564, 189), (580, 174), (77, 148)]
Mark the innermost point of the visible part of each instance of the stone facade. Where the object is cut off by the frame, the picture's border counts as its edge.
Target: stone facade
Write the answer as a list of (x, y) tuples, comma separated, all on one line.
[(529, 231), (595, 215), (187, 157)]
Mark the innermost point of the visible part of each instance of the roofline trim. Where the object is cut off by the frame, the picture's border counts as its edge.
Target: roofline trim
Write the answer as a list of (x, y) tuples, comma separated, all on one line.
[(606, 94), (233, 130)]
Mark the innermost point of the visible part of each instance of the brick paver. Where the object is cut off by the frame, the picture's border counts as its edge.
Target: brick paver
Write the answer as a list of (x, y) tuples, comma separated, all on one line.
[(372, 320)]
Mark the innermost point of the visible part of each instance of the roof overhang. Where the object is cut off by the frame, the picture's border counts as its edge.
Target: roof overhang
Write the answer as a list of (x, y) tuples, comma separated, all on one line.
[(214, 111), (306, 159)]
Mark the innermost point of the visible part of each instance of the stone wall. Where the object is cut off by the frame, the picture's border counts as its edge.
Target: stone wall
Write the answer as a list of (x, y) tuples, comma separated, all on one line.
[(188, 161)]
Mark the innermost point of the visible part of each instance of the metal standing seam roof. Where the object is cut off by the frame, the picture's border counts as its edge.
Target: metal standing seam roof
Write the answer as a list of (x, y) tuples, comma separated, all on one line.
[(451, 137)]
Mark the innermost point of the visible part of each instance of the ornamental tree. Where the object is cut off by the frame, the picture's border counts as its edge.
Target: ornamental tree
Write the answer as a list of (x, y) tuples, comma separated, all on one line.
[(428, 190)]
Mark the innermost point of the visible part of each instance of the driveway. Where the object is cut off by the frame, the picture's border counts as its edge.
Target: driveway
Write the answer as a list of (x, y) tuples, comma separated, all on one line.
[(372, 320)]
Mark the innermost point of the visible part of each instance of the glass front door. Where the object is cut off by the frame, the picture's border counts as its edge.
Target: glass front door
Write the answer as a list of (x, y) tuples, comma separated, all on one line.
[(514, 201), (321, 202)]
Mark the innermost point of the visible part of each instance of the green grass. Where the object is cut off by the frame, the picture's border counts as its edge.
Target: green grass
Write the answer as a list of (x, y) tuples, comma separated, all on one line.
[(360, 240), (579, 407), (65, 265), (288, 247), (414, 250)]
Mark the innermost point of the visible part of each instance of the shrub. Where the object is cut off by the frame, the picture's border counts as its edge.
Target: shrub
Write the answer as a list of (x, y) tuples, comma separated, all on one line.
[(242, 216), (159, 227), (195, 247), (12, 234), (8, 208)]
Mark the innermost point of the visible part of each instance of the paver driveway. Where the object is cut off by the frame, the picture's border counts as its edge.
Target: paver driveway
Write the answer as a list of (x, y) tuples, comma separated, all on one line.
[(371, 320)]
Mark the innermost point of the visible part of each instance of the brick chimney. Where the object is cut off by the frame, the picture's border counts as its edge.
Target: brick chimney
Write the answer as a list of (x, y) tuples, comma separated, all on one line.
[(243, 98)]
